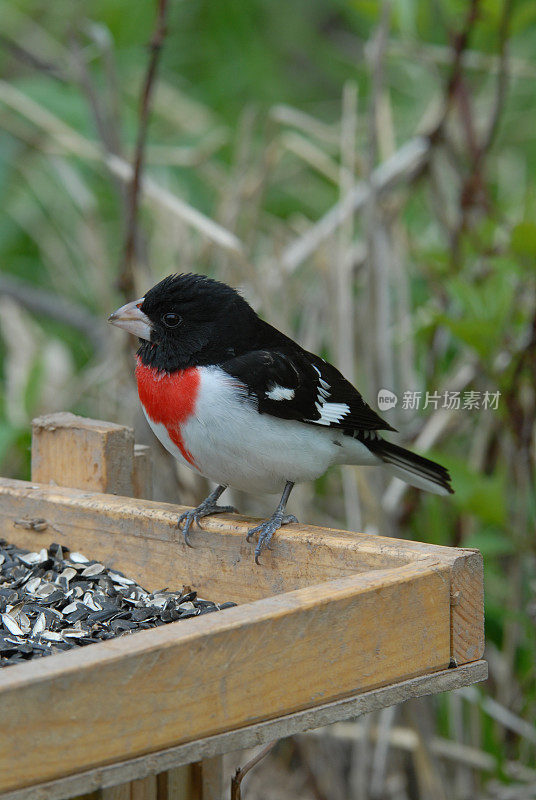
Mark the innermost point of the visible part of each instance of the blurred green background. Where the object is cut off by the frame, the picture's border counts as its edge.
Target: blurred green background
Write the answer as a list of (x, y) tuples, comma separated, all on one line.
[(265, 117)]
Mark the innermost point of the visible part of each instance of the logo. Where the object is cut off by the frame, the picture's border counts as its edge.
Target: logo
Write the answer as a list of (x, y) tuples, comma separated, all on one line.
[(386, 399)]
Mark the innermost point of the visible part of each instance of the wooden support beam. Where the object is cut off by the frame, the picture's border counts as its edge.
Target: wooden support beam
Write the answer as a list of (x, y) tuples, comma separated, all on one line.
[(467, 603), (142, 480), (144, 789), (121, 792)]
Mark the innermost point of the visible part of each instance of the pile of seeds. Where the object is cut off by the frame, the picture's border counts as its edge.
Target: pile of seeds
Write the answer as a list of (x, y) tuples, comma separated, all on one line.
[(56, 600)]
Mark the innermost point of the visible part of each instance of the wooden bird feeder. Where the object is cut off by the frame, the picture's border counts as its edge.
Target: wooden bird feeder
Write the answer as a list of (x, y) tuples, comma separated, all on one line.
[(332, 625)]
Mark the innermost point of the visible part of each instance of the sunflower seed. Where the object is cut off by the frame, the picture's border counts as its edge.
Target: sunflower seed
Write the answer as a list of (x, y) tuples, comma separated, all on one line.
[(68, 573), (91, 571), (53, 600), (78, 558), (11, 624), (39, 625), (51, 636)]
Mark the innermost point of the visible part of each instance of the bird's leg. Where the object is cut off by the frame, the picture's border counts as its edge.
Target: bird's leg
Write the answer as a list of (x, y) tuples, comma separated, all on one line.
[(204, 509), (267, 528)]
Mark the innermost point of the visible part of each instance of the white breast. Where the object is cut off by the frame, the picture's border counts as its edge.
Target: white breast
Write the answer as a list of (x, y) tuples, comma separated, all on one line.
[(233, 444)]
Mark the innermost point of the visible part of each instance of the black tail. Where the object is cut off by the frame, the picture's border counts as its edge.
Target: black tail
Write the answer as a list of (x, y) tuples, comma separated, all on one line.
[(415, 470)]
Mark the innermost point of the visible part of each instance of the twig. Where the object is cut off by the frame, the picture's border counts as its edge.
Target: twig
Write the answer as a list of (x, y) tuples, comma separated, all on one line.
[(311, 126), (381, 752), (404, 163), (166, 199), (241, 772), (433, 429), (405, 738), (126, 277), (106, 131), (345, 305), (502, 77), (71, 141), (51, 305), (499, 713), (460, 44), (31, 60)]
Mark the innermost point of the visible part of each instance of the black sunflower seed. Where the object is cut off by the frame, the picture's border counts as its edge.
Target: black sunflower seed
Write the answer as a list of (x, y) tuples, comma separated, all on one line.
[(54, 600)]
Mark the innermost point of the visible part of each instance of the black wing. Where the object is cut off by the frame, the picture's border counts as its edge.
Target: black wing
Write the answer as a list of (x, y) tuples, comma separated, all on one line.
[(294, 384)]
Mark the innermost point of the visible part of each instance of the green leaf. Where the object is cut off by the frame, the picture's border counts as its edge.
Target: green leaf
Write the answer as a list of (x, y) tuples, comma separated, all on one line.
[(523, 239), (490, 542), (481, 495), (8, 436)]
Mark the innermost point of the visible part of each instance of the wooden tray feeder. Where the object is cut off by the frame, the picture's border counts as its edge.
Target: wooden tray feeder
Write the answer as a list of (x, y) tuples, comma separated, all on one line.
[(332, 625)]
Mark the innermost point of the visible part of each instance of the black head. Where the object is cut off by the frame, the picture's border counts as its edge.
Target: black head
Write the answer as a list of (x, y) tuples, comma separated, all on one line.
[(189, 320)]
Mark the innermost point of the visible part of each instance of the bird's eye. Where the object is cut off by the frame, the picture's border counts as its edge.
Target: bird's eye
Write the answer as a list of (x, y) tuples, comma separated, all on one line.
[(171, 320)]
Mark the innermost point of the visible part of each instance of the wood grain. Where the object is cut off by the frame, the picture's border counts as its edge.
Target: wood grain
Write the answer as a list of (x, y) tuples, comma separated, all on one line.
[(142, 477), (467, 606), (207, 779), (144, 789), (222, 671), (121, 792), (179, 783), (141, 538), (252, 735), (82, 453)]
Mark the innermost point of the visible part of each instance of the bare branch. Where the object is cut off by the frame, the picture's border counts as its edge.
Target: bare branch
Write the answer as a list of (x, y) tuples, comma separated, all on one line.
[(39, 301), (404, 163), (126, 278), (68, 139), (31, 60), (241, 772)]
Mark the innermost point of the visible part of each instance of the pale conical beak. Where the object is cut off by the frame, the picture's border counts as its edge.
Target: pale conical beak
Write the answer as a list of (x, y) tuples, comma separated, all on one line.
[(132, 319)]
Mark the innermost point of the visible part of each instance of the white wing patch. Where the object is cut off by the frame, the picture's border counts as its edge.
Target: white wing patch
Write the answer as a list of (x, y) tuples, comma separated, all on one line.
[(330, 413), (280, 393)]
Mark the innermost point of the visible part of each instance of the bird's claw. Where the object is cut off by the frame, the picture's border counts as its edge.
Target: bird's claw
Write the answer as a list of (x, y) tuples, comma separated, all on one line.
[(267, 529), (192, 517)]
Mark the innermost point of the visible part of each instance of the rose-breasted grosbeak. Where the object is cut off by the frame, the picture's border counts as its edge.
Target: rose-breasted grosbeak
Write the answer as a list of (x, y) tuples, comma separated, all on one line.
[(242, 404)]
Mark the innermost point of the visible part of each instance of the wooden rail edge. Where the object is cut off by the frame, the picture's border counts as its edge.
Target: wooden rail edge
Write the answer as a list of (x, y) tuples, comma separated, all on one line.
[(141, 537), (252, 735)]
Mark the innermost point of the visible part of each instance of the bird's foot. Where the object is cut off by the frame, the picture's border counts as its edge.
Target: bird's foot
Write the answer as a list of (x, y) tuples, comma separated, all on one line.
[(267, 529), (204, 509)]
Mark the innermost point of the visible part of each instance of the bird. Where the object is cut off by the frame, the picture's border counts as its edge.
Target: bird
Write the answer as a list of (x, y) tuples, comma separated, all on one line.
[(239, 402)]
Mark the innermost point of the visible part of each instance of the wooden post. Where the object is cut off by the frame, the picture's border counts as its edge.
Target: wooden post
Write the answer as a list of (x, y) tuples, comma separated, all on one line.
[(81, 453), (121, 792), (142, 474)]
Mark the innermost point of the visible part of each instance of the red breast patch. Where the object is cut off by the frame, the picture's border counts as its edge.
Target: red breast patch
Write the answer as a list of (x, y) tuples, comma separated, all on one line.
[(169, 398)]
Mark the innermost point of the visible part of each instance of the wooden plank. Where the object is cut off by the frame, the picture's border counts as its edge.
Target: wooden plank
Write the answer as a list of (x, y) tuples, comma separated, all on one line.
[(82, 453), (202, 676), (252, 735), (121, 792), (144, 788), (208, 775), (179, 783), (467, 604), (141, 537), (176, 784), (142, 479)]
